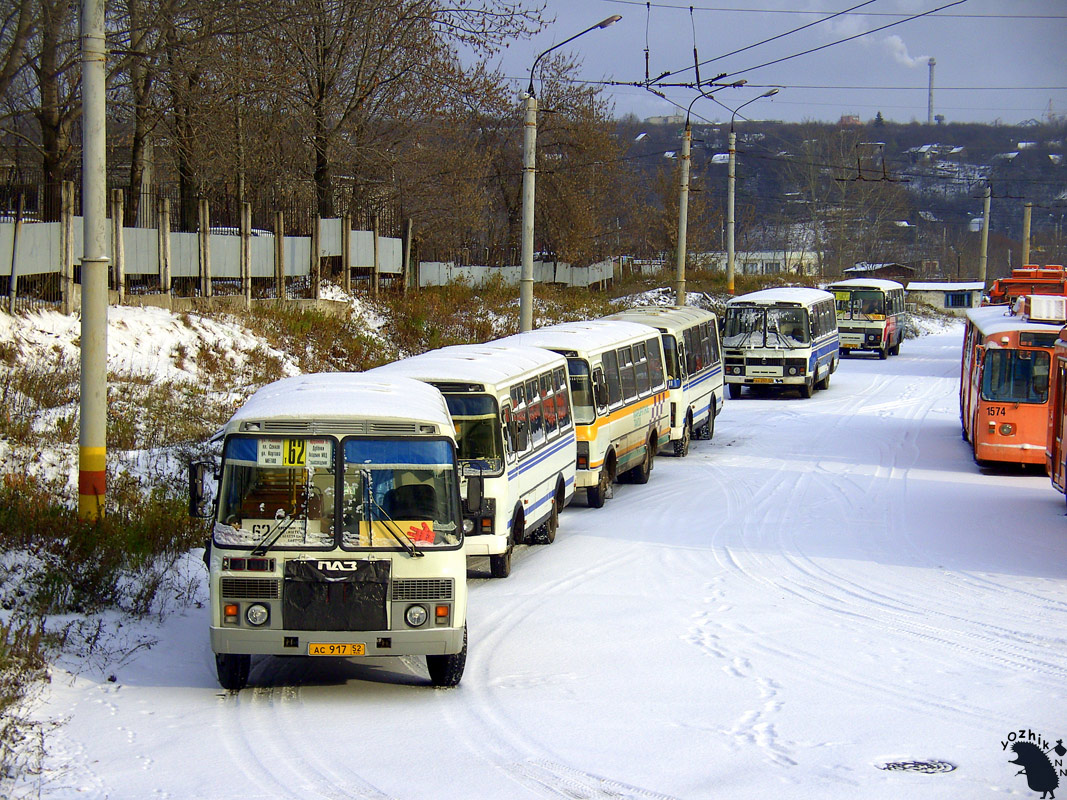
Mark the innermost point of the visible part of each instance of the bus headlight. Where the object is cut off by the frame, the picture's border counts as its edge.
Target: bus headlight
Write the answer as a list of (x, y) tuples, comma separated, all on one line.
[(257, 614), (1007, 429), (416, 616), (468, 526)]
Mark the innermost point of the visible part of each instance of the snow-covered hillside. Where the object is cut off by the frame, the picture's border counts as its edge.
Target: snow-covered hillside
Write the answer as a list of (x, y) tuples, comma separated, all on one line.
[(827, 600)]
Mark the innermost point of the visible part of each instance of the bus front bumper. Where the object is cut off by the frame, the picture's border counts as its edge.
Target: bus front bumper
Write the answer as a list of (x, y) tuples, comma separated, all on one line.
[(432, 641)]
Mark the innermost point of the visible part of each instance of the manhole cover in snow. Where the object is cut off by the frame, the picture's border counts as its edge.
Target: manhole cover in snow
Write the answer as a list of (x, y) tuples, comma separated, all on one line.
[(927, 767)]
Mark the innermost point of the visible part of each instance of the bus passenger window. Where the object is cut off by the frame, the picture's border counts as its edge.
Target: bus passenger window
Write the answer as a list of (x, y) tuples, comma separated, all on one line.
[(610, 363), (641, 366), (626, 373), (548, 404), (655, 364), (533, 411)]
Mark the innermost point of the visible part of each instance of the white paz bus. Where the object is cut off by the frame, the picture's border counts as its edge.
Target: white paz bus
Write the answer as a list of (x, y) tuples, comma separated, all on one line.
[(512, 411), (693, 362), (619, 395), (337, 527), (782, 337), (870, 315)]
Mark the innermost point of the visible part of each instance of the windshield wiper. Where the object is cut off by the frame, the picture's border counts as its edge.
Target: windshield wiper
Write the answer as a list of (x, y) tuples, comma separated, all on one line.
[(273, 535), (391, 527)]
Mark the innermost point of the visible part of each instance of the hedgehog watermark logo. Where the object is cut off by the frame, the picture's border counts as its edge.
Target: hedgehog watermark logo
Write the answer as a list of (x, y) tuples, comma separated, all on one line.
[(1041, 763)]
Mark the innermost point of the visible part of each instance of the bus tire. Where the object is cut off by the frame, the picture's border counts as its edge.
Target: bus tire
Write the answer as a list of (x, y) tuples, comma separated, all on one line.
[(447, 670), (232, 669), (641, 473), (895, 349), (596, 495), (734, 389), (707, 430), (807, 388), (546, 534), (883, 353), (681, 446), (500, 565), (825, 382)]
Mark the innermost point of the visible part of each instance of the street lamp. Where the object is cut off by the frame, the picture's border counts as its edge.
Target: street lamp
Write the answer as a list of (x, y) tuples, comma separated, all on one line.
[(528, 170), (683, 199), (730, 180)]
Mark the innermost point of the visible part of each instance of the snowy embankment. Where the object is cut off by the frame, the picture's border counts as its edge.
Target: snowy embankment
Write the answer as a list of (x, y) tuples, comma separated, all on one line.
[(827, 597)]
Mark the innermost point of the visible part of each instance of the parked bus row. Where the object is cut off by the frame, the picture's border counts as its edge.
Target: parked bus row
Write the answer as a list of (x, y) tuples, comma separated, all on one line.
[(347, 505)]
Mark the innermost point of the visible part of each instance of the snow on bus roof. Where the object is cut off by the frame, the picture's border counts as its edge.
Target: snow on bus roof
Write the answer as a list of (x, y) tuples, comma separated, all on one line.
[(991, 320), (655, 315), (349, 395), (588, 335), (865, 283), (477, 363), (782, 294)]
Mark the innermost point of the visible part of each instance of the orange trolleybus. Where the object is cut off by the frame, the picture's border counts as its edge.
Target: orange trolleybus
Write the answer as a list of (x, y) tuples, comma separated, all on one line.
[(1056, 448), (1004, 379)]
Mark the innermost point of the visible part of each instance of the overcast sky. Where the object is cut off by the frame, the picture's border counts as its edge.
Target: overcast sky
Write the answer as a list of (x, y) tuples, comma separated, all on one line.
[(995, 59)]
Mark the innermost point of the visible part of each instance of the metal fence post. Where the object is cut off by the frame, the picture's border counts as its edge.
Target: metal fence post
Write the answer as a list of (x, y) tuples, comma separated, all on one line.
[(246, 253), (13, 279), (118, 243), (66, 266), (164, 249), (279, 254), (346, 253)]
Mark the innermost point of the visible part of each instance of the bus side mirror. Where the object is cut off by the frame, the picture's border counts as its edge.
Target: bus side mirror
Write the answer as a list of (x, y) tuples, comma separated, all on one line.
[(201, 496), (475, 489), (522, 437), (600, 389)]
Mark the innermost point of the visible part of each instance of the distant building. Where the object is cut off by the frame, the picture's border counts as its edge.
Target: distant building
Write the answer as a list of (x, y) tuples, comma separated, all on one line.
[(850, 121), (955, 298), (673, 119), (892, 271), (764, 262)]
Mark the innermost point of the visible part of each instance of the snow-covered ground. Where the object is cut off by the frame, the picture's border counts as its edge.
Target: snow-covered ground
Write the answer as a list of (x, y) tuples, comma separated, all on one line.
[(828, 588)]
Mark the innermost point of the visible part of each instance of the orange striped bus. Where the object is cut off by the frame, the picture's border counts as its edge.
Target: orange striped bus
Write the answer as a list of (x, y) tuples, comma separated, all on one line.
[(1004, 378)]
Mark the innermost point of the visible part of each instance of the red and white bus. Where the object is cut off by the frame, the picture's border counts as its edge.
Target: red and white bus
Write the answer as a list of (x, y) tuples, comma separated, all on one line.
[(1055, 449), (1004, 378)]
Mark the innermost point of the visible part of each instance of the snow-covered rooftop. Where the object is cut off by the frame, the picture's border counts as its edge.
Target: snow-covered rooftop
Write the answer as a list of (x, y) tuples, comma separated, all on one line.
[(477, 363), (590, 335), (782, 294), (865, 283)]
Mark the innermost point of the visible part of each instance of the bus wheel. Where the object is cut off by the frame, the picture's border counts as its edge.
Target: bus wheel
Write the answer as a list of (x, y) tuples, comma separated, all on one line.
[(596, 495), (734, 389), (681, 447), (642, 471), (807, 388), (825, 382), (446, 671), (883, 354), (895, 349), (500, 565), (233, 670), (707, 430), (546, 534)]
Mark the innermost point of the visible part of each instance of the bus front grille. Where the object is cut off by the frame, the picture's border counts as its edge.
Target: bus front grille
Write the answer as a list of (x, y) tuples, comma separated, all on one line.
[(251, 588), (423, 589)]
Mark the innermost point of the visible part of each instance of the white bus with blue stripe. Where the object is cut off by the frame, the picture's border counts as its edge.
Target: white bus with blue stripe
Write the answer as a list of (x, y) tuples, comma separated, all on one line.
[(781, 337), (515, 433), (693, 360)]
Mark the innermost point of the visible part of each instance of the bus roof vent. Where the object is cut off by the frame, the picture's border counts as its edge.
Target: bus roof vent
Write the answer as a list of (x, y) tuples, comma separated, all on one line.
[(393, 428), (1045, 308)]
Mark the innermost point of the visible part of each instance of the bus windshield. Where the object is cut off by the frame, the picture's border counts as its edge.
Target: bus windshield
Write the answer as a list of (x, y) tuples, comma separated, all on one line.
[(774, 327), (1015, 376), (581, 391), (478, 437), (861, 304), (283, 491), (397, 491), (276, 488)]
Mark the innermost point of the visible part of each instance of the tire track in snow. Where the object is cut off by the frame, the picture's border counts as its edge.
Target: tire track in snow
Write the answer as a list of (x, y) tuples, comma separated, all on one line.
[(500, 743)]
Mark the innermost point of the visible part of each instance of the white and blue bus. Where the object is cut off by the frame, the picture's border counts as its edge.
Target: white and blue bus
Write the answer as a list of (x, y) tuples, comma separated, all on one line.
[(515, 433), (337, 527), (619, 393), (781, 337), (693, 361)]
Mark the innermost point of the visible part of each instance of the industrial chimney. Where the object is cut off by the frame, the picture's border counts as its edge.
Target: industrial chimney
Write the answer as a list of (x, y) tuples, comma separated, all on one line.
[(930, 100)]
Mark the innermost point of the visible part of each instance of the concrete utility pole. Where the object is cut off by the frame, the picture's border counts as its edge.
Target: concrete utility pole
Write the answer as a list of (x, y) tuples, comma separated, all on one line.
[(683, 218), (730, 183), (529, 168), (982, 258), (1028, 209), (92, 440)]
